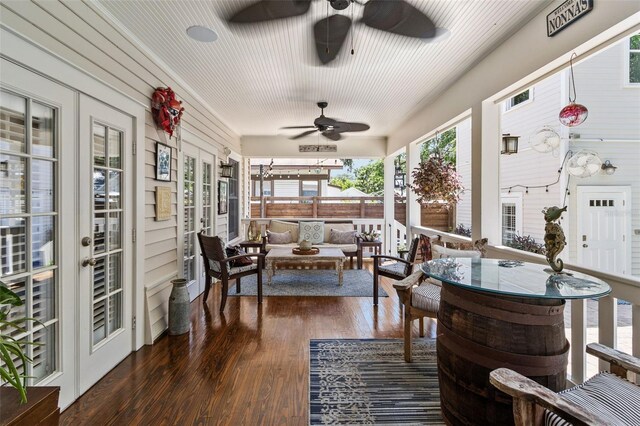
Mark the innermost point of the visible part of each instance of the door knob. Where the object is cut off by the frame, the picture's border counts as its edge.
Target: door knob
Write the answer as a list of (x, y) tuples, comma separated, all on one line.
[(86, 242), (585, 245), (88, 261)]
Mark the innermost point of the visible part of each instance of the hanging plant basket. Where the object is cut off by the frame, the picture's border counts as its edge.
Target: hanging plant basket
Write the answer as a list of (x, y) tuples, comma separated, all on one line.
[(436, 180)]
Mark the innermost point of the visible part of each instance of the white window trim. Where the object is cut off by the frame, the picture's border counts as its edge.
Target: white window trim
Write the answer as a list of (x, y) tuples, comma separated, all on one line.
[(513, 198), (627, 64), (506, 108)]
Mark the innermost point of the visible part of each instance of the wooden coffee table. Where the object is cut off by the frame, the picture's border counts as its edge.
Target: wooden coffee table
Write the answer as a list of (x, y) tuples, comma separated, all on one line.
[(276, 255)]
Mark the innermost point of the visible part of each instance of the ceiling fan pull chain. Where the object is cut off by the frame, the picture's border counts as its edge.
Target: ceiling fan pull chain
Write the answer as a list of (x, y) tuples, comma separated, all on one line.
[(353, 30), (327, 48)]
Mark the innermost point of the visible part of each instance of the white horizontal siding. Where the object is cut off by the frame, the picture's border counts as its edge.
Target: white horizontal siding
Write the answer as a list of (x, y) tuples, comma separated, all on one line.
[(77, 32), (286, 188), (529, 167)]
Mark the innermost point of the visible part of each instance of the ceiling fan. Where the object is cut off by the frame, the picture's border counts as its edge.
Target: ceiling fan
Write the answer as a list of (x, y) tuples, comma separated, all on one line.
[(329, 127), (397, 17)]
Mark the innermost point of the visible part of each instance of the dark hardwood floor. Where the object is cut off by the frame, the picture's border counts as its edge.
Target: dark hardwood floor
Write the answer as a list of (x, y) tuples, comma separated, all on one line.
[(249, 366)]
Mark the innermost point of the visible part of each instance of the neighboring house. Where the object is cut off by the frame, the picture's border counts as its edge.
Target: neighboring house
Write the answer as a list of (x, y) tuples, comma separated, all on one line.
[(293, 177), (336, 191), (602, 224)]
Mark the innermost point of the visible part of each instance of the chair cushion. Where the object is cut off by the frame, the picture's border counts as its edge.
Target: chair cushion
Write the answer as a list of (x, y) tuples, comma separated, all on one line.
[(311, 231), (342, 237), (439, 252), (279, 237), (605, 394), (238, 269), (282, 226), (426, 297), (396, 268)]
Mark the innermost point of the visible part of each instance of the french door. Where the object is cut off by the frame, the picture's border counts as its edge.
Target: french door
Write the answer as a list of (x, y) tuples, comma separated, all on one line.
[(37, 219), (197, 171), (105, 249)]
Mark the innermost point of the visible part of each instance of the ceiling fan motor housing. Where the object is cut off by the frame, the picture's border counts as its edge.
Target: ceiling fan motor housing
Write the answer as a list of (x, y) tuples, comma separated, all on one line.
[(339, 4)]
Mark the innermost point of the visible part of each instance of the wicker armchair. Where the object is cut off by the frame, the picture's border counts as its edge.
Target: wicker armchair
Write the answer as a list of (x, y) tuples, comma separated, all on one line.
[(604, 399), (218, 266)]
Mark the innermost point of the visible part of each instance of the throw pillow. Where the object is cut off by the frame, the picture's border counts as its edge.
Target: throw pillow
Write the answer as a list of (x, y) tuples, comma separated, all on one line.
[(312, 231), (440, 252), (236, 251), (279, 237), (342, 237)]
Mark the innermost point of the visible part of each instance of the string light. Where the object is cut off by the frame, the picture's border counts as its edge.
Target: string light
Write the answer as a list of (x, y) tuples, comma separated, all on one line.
[(547, 185)]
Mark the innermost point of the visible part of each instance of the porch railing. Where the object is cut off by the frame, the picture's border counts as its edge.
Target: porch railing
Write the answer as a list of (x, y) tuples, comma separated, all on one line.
[(622, 287)]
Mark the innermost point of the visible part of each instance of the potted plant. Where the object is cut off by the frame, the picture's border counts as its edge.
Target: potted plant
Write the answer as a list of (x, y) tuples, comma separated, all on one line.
[(436, 180)]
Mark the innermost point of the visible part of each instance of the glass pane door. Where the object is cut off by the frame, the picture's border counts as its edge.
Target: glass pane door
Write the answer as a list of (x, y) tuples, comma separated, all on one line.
[(106, 303), (29, 224), (207, 196), (189, 252)]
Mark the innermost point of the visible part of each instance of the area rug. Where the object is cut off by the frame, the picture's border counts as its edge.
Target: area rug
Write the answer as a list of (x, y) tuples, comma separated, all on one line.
[(366, 381), (310, 282)]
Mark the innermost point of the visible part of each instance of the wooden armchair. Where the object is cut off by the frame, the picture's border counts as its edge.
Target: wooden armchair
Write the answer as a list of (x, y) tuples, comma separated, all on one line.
[(422, 299), (604, 399), (399, 269), (218, 266)]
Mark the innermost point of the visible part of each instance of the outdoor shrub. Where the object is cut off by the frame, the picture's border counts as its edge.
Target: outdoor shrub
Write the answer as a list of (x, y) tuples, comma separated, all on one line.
[(462, 230), (526, 243)]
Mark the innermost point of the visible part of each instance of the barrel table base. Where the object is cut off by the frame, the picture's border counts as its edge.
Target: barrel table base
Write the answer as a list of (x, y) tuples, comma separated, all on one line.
[(479, 332)]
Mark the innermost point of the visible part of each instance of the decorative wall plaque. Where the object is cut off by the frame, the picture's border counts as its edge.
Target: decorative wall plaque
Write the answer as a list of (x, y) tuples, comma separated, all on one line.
[(163, 203), (566, 14), (318, 148)]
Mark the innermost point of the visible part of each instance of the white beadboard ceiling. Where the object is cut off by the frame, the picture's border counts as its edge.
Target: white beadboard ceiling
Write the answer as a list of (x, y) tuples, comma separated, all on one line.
[(261, 77)]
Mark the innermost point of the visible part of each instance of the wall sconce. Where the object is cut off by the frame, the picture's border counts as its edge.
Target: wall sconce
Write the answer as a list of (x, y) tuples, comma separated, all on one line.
[(398, 176), (226, 169), (509, 144), (608, 168)]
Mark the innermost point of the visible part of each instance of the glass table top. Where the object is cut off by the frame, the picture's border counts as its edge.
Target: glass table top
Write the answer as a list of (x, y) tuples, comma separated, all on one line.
[(515, 278)]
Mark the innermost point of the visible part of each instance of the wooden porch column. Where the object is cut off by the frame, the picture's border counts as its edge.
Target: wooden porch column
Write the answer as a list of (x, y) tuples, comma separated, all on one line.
[(389, 238)]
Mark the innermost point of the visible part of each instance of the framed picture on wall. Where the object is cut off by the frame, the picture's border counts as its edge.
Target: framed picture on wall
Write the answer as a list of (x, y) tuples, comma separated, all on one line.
[(223, 196), (163, 162)]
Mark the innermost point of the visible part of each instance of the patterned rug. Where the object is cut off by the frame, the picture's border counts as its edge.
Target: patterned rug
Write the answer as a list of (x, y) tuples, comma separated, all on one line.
[(366, 381), (310, 282)]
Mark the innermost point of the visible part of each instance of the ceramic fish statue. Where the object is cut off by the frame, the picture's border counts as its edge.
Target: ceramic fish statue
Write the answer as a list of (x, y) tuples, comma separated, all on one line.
[(554, 239)]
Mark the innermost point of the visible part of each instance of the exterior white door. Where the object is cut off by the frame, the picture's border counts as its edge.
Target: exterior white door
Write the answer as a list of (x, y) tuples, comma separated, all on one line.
[(105, 249), (197, 206), (603, 224), (37, 219)]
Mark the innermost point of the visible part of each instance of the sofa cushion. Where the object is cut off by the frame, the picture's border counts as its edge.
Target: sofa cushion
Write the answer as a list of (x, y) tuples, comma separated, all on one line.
[(270, 246), (282, 226), (328, 226), (346, 248), (342, 237), (311, 231), (279, 237)]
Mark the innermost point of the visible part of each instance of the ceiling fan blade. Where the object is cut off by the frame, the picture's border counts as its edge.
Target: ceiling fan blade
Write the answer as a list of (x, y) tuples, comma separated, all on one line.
[(303, 134), (330, 134), (398, 17), (298, 127), (324, 121), (329, 34), (342, 127), (267, 10)]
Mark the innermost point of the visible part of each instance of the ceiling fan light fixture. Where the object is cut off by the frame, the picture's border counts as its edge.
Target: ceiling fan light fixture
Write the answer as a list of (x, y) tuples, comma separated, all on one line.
[(202, 34)]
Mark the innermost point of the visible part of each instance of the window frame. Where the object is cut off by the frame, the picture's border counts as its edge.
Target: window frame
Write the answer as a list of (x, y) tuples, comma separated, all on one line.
[(233, 221), (507, 105), (627, 63), (514, 198)]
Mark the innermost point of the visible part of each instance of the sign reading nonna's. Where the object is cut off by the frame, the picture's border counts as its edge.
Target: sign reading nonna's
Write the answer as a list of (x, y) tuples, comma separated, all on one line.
[(566, 14)]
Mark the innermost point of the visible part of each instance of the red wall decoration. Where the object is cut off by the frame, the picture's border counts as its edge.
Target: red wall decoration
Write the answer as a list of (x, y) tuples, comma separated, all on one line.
[(166, 109)]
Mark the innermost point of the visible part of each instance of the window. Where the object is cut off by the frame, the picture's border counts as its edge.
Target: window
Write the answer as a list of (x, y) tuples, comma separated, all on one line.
[(519, 99), (511, 215), (266, 188), (234, 202), (634, 59), (310, 188)]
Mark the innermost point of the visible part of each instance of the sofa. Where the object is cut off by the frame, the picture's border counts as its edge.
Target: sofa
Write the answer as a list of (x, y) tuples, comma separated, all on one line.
[(281, 226)]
